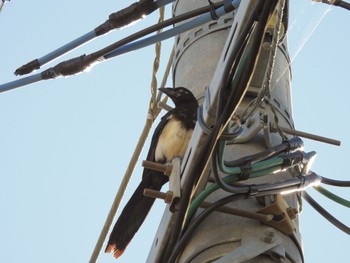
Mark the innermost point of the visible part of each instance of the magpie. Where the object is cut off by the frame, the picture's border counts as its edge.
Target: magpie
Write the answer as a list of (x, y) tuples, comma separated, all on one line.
[(170, 139)]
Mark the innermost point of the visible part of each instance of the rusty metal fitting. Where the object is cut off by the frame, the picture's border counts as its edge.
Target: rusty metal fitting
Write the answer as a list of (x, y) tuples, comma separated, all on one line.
[(166, 168), (167, 197)]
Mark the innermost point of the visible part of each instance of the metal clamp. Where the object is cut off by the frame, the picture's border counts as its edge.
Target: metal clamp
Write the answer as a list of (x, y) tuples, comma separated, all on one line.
[(283, 215)]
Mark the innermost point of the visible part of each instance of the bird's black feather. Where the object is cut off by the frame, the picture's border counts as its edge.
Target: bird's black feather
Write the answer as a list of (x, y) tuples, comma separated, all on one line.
[(137, 208)]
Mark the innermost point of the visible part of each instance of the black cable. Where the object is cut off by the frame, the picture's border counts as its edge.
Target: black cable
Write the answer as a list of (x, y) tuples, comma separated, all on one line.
[(290, 185), (285, 147), (339, 3), (118, 19), (344, 5), (126, 16), (225, 109), (195, 224), (266, 7), (325, 213), (209, 144), (227, 104), (199, 163), (333, 182), (78, 64), (201, 160), (237, 189)]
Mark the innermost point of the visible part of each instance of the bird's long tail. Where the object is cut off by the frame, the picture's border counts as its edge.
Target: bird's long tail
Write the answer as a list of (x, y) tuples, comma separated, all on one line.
[(133, 214)]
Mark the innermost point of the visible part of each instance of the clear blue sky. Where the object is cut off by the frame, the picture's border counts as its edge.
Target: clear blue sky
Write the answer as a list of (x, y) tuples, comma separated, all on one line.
[(65, 143)]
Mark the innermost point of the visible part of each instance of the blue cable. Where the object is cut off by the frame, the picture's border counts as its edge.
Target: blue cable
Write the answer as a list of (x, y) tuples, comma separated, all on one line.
[(37, 63), (133, 45), (82, 40), (20, 82), (67, 47), (169, 33)]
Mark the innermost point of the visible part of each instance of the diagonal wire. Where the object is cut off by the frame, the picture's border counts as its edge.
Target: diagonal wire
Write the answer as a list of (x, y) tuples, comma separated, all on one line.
[(153, 103), (265, 92), (2, 4), (128, 173), (325, 213)]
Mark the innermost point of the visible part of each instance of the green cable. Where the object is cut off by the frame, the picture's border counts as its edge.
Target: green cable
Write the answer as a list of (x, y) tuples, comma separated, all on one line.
[(262, 165), (332, 196), (228, 179), (258, 169)]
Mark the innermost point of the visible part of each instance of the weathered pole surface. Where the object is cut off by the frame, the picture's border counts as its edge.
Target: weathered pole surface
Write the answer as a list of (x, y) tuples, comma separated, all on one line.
[(197, 64)]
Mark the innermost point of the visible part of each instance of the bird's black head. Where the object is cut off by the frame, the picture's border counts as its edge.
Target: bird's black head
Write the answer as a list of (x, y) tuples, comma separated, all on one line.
[(180, 95)]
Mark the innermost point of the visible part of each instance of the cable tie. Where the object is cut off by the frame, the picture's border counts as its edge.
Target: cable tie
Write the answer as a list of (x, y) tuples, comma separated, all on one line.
[(228, 7), (303, 182), (245, 171), (293, 144), (292, 159), (213, 13), (253, 191), (247, 160), (49, 74)]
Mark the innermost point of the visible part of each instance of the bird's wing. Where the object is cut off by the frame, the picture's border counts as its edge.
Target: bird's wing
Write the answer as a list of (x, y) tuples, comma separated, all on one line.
[(153, 146)]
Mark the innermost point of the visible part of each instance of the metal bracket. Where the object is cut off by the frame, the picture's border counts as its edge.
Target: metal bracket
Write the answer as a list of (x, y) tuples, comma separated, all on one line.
[(172, 170), (283, 215), (250, 128), (267, 130)]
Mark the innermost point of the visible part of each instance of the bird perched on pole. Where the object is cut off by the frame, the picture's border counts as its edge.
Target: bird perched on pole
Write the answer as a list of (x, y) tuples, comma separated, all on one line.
[(170, 139)]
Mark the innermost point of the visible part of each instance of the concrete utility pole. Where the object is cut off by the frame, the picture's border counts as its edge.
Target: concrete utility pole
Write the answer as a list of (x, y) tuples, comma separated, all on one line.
[(199, 63)]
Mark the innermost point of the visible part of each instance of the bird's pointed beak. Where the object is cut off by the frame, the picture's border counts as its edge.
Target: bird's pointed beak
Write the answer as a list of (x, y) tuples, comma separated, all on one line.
[(167, 91)]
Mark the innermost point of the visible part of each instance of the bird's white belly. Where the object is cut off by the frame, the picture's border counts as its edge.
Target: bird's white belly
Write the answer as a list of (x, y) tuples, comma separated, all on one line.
[(173, 141)]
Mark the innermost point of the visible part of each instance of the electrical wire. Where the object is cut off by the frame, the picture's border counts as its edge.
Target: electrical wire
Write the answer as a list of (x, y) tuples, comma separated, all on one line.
[(153, 107), (225, 112), (339, 3), (294, 184), (333, 182), (106, 52), (286, 160), (325, 213), (202, 160), (116, 20), (200, 218), (2, 4), (230, 179), (290, 145), (266, 88), (205, 12), (332, 196), (79, 64), (196, 223), (153, 113), (247, 67), (343, 4)]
